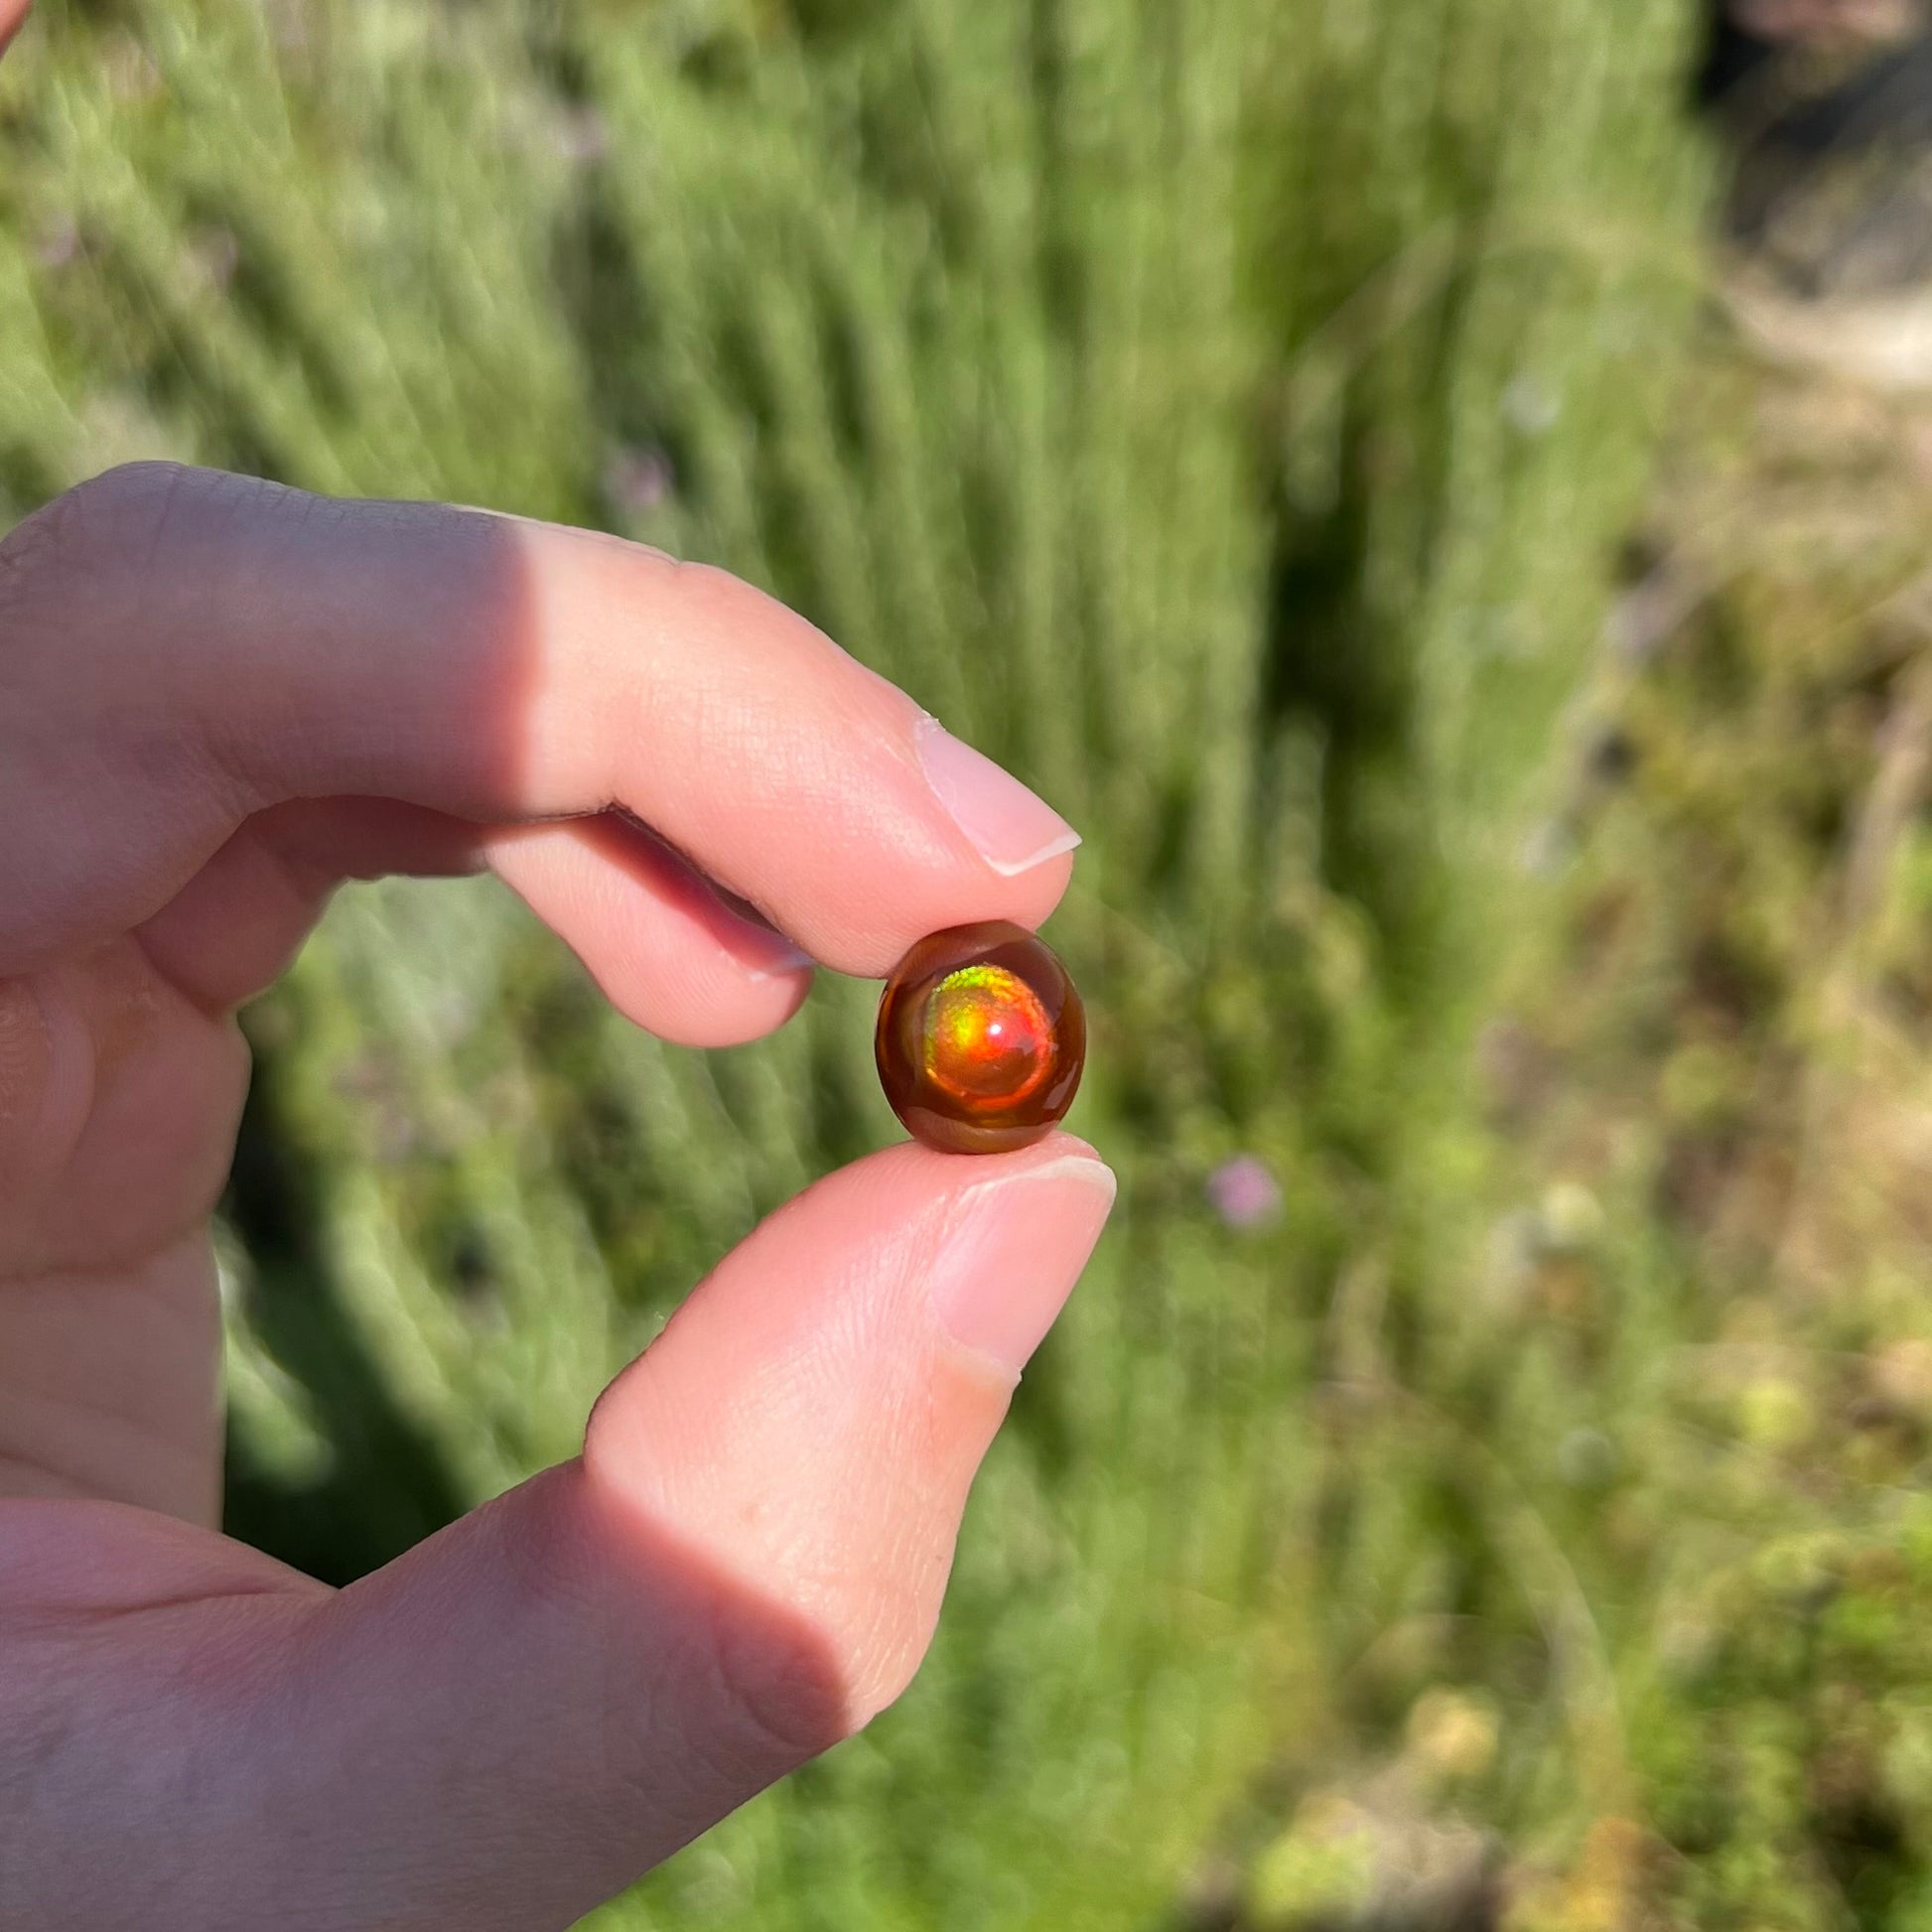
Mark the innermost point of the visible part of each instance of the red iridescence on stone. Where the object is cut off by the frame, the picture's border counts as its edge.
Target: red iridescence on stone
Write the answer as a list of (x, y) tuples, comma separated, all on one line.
[(981, 1038)]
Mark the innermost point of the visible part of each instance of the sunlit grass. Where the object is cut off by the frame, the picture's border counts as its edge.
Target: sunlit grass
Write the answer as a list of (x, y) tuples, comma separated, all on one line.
[(1231, 425)]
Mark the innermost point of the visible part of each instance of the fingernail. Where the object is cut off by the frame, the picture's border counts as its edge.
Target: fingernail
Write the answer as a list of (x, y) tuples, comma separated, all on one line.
[(1013, 1253), (777, 959), (758, 946), (1005, 824)]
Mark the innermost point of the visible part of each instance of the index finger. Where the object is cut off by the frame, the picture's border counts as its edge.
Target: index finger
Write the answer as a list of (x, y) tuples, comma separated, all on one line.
[(217, 645)]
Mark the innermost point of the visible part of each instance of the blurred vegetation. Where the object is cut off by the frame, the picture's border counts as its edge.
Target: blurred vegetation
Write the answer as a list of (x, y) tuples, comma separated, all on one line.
[(1236, 418)]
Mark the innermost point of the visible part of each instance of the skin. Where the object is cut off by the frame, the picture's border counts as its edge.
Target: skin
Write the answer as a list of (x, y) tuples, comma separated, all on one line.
[(218, 700), (1826, 22)]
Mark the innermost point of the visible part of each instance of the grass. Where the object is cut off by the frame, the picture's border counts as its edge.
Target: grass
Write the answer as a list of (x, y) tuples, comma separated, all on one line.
[(1236, 429)]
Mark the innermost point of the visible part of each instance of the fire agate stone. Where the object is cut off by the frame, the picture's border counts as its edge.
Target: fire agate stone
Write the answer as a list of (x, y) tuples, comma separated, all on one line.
[(981, 1038)]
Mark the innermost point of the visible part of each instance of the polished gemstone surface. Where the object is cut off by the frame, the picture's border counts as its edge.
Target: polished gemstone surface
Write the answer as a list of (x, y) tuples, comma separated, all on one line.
[(981, 1038)]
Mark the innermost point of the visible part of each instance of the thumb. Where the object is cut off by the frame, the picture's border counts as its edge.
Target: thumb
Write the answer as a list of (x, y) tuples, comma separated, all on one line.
[(524, 1713)]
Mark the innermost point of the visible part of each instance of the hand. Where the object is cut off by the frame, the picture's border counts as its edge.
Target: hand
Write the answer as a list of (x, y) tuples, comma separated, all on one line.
[(1826, 22), (218, 699)]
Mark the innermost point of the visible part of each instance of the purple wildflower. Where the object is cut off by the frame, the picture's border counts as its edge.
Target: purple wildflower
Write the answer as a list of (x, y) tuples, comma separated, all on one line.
[(57, 242), (1244, 1194), (637, 479)]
